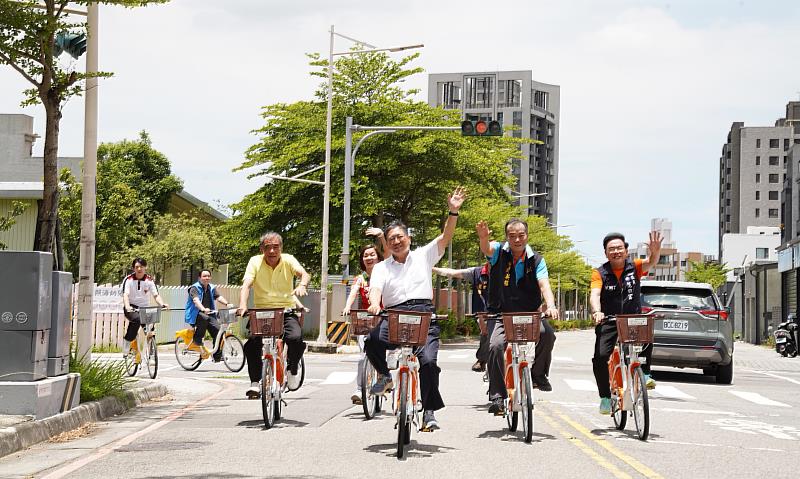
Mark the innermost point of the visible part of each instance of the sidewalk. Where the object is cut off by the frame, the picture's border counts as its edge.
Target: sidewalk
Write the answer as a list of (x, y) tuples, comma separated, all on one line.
[(20, 432), (750, 356)]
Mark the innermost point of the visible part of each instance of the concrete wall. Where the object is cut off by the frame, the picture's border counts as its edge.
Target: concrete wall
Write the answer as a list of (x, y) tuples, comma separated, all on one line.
[(740, 249)]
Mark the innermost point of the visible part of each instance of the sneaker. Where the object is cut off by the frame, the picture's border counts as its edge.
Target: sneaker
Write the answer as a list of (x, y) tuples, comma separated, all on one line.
[(356, 396), (498, 407), (292, 380), (605, 406), (254, 391), (479, 367), (429, 422), (541, 383), (382, 386), (649, 382)]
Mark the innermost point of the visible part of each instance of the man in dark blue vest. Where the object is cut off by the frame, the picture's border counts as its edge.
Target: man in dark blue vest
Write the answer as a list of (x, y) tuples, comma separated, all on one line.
[(616, 289), (518, 282)]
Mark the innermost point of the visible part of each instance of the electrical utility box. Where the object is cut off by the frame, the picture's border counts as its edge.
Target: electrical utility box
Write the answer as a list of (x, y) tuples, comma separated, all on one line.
[(60, 328)]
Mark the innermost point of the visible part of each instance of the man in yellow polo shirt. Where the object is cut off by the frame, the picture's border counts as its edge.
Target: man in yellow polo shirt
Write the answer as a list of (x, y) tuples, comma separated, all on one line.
[(271, 275)]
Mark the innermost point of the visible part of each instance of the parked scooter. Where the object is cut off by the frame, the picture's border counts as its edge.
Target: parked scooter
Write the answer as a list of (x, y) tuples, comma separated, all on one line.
[(787, 336)]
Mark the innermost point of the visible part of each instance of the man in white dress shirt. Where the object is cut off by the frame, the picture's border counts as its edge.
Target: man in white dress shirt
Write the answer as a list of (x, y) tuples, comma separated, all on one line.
[(403, 281)]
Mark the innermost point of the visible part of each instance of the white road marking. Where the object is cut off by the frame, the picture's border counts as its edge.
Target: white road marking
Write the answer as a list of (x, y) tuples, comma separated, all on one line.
[(765, 373), (700, 411), (563, 359), (670, 392), (458, 356), (756, 427), (758, 399), (581, 384), (340, 377)]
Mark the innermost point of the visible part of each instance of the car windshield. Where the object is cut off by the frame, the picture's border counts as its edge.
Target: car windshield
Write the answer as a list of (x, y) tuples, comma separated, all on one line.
[(689, 299)]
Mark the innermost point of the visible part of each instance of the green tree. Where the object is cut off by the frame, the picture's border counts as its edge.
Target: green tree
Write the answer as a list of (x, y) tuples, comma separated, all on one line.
[(134, 185), (6, 222), (28, 31), (404, 176), (710, 272)]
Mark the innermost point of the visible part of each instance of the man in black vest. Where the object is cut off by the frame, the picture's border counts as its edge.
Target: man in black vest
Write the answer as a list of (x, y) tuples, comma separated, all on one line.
[(518, 282), (616, 289)]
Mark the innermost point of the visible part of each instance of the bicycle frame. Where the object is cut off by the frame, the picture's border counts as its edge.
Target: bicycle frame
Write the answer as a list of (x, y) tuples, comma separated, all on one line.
[(273, 351), (624, 360), (408, 366), (514, 368)]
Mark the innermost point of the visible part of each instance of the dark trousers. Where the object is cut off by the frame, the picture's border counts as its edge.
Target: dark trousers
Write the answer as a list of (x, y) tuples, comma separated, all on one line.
[(497, 349), (292, 339), (202, 324), (133, 325), (378, 342), (604, 342), (482, 354)]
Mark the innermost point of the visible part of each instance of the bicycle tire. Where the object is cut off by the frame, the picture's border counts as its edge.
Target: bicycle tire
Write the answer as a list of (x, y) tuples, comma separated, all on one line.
[(189, 360), (619, 415), (527, 406), (641, 404), (277, 407), (512, 417), (131, 366), (267, 403), (301, 371), (368, 377), (233, 354), (152, 357), (402, 417)]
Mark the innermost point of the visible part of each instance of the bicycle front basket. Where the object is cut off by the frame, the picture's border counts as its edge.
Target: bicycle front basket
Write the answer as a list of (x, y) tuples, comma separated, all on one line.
[(361, 322), (226, 316), (522, 327), (266, 322), (149, 314), (635, 328), (408, 328)]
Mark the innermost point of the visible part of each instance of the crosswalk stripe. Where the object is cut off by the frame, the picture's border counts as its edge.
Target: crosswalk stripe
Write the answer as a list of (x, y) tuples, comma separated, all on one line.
[(340, 377), (458, 356), (563, 359), (581, 384), (758, 399), (670, 392)]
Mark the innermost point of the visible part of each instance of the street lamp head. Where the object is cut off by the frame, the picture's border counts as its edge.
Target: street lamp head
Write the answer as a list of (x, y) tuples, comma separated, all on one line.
[(409, 47)]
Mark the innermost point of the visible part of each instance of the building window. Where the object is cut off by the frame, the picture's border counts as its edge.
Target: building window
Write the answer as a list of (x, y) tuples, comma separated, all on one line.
[(478, 91), (762, 253), (758, 142), (758, 160), (727, 218), (773, 161), (758, 195), (516, 118), (728, 202), (774, 143), (773, 212), (541, 99), (758, 212), (773, 195), (727, 171), (449, 94), (774, 178), (509, 93), (785, 144), (758, 177)]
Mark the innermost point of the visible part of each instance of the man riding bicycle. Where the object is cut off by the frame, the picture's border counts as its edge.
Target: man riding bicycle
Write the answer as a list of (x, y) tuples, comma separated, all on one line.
[(403, 281), (137, 288), (616, 289), (271, 275), (518, 282), (200, 305)]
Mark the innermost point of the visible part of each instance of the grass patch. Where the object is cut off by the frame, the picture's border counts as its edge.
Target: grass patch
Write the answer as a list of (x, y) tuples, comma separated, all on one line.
[(106, 348), (99, 379)]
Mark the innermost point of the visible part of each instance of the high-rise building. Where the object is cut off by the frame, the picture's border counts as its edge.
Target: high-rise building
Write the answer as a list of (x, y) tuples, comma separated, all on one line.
[(752, 170), (512, 98)]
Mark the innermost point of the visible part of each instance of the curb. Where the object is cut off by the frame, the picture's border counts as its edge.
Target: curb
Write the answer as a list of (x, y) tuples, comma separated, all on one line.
[(22, 436)]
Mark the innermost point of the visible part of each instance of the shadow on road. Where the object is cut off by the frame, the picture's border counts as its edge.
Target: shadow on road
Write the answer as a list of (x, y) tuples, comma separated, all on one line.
[(508, 436), (414, 449), (280, 424), (631, 433)]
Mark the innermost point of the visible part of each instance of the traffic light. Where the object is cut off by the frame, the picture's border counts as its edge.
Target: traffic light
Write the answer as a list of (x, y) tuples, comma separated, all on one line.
[(481, 128), (72, 43)]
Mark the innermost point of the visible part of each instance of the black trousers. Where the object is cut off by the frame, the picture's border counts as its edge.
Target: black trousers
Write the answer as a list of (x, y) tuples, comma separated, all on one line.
[(497, 349), (133, 325), (292, 338), (482, 354), (378, 342), (604, 342), (202, 324)]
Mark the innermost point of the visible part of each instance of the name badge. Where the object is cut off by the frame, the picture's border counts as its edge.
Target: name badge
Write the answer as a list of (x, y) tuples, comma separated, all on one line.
[(409, 319), (637, 321), (522, 319), (265, 314)]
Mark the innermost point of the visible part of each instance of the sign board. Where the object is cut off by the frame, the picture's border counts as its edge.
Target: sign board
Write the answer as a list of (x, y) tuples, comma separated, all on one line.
[(107, 299)]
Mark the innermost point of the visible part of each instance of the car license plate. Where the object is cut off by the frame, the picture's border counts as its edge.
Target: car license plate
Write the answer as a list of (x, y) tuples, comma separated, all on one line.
[(676, 325), (780, 340)]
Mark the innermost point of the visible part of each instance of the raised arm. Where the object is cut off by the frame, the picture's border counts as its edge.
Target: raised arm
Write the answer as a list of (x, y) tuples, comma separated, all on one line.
[(454, 202), (484, 233), (654, 251), (378, 233), (464, 274)]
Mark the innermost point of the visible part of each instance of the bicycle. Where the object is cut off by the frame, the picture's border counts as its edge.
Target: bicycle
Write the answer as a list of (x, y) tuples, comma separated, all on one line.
[(480, 319), (522, 331), (626, 378), (232, 348), (361, 323), (149, 316), (268, 323)]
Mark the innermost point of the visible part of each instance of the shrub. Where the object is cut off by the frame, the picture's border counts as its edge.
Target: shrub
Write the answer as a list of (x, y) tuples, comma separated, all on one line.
[(99, 378)]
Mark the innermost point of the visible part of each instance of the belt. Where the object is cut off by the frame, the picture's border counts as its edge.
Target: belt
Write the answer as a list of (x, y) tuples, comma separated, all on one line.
[(411, 302)]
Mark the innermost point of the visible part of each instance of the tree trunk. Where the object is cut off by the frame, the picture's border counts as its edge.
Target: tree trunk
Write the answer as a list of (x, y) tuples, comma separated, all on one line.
[(48, 209)]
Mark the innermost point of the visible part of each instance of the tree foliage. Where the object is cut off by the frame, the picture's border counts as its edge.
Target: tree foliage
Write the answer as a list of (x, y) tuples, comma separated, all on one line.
[(28, 30), (6, 222), (710, 272), (134, 185)]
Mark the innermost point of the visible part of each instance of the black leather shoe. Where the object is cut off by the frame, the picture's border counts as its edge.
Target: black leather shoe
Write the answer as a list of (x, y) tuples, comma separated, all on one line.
[(541, 383), (479, 367)]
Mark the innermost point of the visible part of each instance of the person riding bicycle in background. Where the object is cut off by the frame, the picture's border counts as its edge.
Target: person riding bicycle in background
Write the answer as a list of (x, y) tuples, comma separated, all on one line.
[(271, 275), (200, 305), (367, 258), (478, 277), (518, 282), (137, 288), (403, 282), (616, 289)]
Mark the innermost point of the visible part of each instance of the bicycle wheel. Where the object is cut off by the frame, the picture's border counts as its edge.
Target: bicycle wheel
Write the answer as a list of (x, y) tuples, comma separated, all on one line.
[(641, 405), (301, 371), (512, 417), (130, 363), (371, 403), (267, 403), (526, 400), (189, 360), (619, 415), (151, 354), (402, 417), (233, 354)]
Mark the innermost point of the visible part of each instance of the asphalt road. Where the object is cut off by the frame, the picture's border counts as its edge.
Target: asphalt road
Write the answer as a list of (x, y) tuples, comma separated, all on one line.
[(206, 427)]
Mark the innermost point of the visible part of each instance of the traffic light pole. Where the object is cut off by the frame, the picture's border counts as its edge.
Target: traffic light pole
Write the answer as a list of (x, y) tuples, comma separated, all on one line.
[(349, 168)]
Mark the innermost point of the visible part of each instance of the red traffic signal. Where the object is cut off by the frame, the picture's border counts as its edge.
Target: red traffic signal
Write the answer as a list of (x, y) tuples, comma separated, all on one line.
[(481, 128)]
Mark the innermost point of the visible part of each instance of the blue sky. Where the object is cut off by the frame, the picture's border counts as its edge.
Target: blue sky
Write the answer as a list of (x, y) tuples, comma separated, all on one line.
[(649, 89)]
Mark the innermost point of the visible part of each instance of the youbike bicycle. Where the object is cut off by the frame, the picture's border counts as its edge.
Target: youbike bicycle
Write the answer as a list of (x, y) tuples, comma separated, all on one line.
[(268, 323), (361, 323), (149, 316), (522, 331), (231, 346), (626, 378)]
